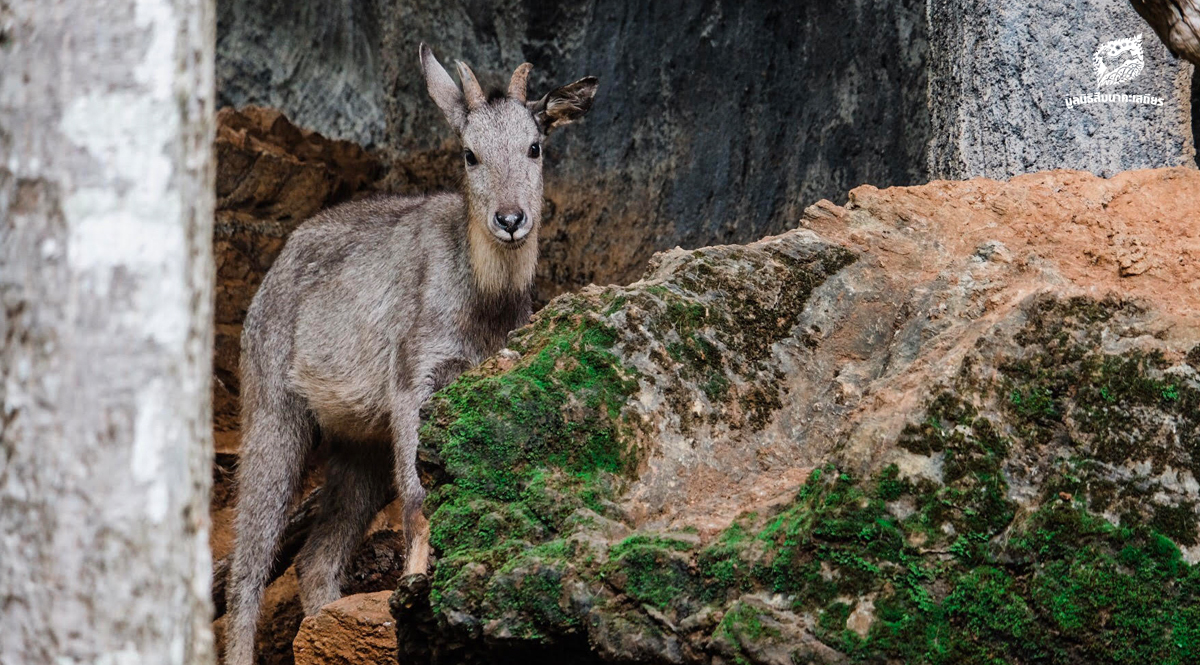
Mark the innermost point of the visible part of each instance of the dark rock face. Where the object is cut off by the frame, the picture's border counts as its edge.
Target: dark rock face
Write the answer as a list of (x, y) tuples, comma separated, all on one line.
[(999, 81), (713, 124), (316, 61)]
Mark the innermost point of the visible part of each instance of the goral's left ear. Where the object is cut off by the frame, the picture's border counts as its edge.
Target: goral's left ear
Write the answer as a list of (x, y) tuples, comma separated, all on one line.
[(441, 88), (564, 105)]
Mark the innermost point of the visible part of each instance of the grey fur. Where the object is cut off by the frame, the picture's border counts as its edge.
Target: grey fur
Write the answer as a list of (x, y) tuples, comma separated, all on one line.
[(372, 307)]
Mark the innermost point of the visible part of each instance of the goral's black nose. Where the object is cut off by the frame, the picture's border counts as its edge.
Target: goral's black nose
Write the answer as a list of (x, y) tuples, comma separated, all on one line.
[(510, 221)]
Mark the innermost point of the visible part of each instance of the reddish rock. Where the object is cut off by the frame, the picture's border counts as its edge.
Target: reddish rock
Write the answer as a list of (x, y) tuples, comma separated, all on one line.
[(271, 168), (271, 176), (356, 630)]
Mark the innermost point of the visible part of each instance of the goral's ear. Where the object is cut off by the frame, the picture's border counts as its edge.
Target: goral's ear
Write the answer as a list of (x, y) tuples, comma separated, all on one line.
[(442, 89), (564, 105)]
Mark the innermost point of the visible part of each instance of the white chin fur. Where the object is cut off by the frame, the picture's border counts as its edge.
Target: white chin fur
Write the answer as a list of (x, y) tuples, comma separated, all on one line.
[(502, 263), (515, 238)]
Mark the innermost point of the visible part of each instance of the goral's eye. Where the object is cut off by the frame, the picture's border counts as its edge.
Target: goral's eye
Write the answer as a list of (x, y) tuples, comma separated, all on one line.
[(472, 160), (535, 150)]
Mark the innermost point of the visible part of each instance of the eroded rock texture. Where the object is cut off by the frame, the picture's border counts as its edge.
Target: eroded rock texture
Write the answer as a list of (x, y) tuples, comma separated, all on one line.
[(271, 176), (1000, 75), (949, 423), (718, 122), (356, 630), (318, 61), (715, 122)]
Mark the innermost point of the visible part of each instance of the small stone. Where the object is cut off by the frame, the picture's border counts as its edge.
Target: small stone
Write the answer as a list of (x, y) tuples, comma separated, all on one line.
[(507, 359), (863, 616), (994, 250), (355, 630)]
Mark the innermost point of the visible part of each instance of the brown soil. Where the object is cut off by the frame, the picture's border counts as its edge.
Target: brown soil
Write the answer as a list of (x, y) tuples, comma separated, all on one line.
[(1137, 233)]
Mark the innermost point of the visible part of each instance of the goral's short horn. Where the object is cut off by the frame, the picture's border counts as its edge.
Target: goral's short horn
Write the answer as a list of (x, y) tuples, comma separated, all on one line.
[(516, 87)]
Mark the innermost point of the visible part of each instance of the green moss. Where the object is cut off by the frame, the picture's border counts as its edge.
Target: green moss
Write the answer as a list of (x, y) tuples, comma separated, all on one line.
[(651, 569), (889, 486), (741, 627), (761, 315), (1178, 523), (532, 602), (997, 622), (1038, 403), (721, 349), (1111, 594), (641, 540), (722, 563), (464, 522), (524, 452), (533, 456), (495, 432), (1119, 401), (650, 573), (972, 502), (1068, 587), (1061, 585), (835, 539)]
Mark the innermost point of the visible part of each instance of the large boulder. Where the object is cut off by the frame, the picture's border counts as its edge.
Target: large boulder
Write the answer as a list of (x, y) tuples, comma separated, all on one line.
[(950, 423)]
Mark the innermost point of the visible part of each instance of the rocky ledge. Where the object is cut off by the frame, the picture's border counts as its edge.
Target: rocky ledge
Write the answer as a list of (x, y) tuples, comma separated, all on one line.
[(951, 423)]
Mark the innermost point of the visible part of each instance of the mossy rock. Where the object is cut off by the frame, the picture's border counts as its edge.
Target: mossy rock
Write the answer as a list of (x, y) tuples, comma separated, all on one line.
[(1047, 532)]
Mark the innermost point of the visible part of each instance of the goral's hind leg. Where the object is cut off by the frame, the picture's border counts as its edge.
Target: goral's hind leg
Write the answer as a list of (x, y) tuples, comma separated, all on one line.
[(277, 439), (357, 484)]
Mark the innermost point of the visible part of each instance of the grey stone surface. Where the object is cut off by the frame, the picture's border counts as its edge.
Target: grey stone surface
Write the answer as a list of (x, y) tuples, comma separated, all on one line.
[(715, 121), (718, 121), (318, 62), (998, 84)]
